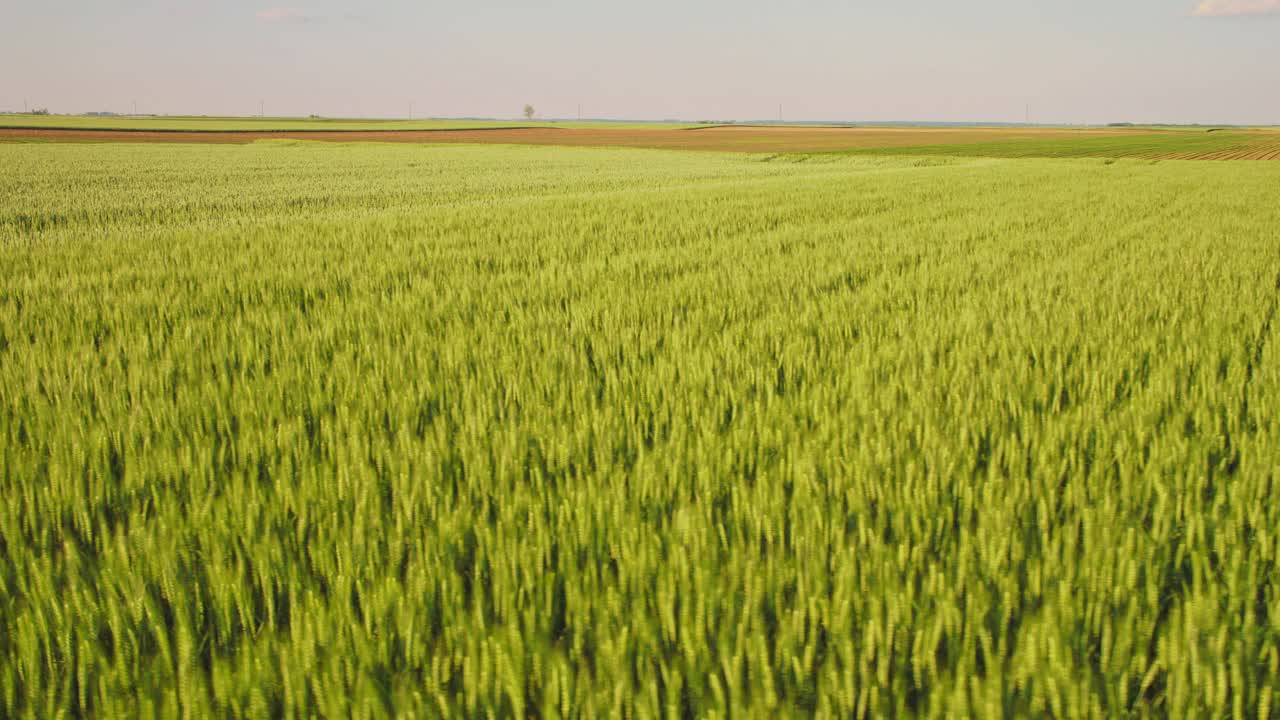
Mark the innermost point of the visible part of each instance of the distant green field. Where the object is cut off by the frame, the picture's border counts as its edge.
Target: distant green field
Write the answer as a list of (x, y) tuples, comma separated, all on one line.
[(237, 124), (324, 430)]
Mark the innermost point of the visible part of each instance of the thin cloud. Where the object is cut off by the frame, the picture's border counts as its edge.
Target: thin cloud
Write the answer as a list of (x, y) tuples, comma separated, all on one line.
[(282, 15), (1228, 8)]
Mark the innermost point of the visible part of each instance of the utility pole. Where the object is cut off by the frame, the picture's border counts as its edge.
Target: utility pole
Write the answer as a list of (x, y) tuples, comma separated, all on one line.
[(135, 108), (410, 111), (779, 113), (579, 112), (262, 108), (1028, 113), (25, 107)]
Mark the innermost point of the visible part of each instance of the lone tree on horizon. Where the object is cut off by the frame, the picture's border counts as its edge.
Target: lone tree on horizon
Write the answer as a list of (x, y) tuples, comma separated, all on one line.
[(528, 112)]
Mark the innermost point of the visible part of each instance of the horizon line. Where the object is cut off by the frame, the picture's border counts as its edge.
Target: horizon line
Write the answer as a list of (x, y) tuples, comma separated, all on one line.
[(754, 121)]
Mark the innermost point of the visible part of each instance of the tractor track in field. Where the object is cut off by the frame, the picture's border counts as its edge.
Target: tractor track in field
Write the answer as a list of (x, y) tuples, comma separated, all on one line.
[(1255, 359)]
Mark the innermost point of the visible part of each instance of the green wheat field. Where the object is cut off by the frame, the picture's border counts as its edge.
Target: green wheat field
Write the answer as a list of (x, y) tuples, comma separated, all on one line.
[(325, 430)]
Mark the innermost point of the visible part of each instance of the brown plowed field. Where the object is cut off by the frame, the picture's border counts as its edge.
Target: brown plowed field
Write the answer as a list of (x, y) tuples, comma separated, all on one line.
[(757, 139), (1253, 151)]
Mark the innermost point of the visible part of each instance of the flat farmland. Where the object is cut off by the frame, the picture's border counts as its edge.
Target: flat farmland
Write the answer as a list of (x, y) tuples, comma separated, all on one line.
[(1145, 143), (295, 429), (199, 124)]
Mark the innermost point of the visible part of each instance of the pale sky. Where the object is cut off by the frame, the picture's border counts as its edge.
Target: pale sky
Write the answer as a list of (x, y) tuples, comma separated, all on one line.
[(1079, 61)]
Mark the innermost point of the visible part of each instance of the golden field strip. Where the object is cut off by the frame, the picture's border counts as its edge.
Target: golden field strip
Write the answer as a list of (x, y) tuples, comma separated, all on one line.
[(1151, 143)]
